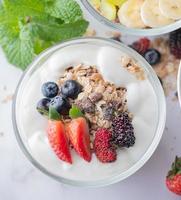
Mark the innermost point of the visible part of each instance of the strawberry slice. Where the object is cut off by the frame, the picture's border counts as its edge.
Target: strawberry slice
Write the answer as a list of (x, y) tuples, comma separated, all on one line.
[(78, 132), (58, 140)]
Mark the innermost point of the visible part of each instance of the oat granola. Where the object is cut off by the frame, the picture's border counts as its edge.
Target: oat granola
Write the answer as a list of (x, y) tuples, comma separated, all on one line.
[(132, 67), (99, 99)]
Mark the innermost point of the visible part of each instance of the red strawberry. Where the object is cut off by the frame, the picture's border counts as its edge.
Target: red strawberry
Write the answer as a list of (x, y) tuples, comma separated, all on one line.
[(142, 45), (102, 146), (78, 132), (173, 180), (58, 140)]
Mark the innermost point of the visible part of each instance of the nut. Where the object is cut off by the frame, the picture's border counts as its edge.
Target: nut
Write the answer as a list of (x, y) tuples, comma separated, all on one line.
[(95, 97), (86, 105)]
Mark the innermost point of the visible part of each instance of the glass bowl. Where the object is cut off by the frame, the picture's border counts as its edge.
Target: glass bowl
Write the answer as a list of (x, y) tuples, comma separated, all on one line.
[(97, 42), (131, 31)]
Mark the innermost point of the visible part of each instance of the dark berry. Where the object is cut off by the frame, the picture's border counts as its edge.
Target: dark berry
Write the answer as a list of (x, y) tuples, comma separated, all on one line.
[(71, 89), (123, 131), (152, 56), (43, 106), (175, 43), (49, 89), (141, 46), (61, 104)]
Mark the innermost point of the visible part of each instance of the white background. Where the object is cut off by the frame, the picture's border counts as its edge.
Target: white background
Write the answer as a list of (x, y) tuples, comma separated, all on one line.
[(19, 180)]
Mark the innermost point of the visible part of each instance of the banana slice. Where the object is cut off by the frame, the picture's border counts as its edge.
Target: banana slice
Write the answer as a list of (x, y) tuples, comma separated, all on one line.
[(151, 14), (129, 14), (117, 2), (170, 8), (108, 10)]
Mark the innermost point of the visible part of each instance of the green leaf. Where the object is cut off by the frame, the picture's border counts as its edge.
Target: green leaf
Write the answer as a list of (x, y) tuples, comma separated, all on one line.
[(67, 10), (73, 29), (40, 45), (176, 168), (19, 50), (28, 27), (49, 30), (43, 112), (75, 112), (56, 32), (53, 114), (23, 8)]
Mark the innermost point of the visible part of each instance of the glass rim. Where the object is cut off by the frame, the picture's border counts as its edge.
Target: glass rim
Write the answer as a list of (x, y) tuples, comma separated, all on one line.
[(158, 132), (131, 31)]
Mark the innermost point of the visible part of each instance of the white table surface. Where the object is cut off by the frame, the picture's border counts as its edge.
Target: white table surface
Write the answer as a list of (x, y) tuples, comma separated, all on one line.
[(19, 180)]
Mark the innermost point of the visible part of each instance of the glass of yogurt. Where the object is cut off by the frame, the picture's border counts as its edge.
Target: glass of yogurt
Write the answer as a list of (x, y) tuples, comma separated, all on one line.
[(137, 17), (145, 102)]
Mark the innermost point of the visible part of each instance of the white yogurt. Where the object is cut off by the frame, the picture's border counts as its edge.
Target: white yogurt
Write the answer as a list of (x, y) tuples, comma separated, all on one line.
[(141, 102)]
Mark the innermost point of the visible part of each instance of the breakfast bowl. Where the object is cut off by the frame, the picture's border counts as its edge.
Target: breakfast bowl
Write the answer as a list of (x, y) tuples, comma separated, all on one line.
[(106, 73), (129, 19)]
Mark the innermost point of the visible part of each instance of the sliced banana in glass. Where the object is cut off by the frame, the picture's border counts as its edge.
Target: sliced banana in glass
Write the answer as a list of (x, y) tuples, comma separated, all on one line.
[(129, 14), (117, 2), (152, 16), (108, 10), (170, 8)]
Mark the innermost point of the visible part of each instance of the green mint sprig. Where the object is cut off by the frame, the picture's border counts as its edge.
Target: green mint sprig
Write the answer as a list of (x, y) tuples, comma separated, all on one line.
[(75, 112), (27, 27), (53, 114)]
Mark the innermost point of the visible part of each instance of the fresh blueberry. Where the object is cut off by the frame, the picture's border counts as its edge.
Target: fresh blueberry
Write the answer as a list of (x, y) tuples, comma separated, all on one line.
[(43, 106), (71, 89), (49, 89), (152, 56), (61, 104)]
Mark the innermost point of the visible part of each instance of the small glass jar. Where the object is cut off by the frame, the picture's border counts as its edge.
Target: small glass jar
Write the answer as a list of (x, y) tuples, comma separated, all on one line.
[(21, 136), (131, 31)]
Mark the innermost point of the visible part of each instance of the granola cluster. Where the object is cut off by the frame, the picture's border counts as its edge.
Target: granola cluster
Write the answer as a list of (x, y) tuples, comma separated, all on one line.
[(132, 67), (99, 100)]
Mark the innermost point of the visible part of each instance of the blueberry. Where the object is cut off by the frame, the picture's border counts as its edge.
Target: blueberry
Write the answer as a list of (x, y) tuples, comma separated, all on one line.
[(152, 56), (43, 106), (61, 104), (49, 89), (71, 89)]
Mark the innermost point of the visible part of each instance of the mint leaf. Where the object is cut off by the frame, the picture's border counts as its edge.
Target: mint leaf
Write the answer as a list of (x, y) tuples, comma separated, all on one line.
[(75, 112), (28, 27), (40, 45), (53, 114), (19, 50), (67, 10), (23, 8), (73, 29), (43, 112), (52, 31)]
